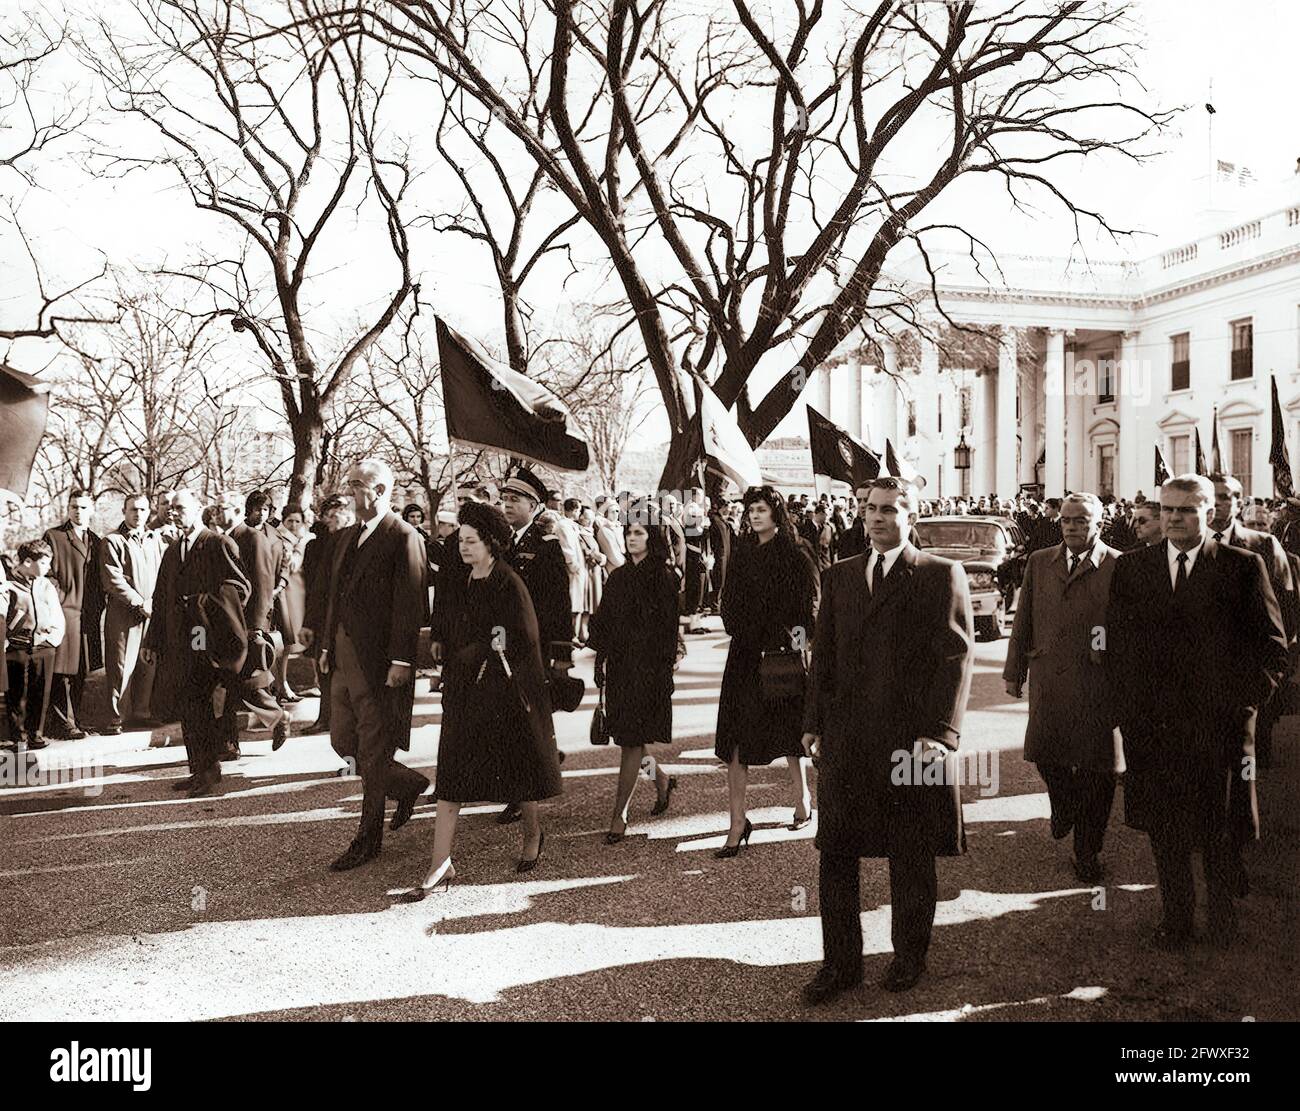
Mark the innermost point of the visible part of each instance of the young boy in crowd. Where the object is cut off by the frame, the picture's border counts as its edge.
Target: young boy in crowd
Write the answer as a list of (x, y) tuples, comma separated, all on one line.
[(34, 628)]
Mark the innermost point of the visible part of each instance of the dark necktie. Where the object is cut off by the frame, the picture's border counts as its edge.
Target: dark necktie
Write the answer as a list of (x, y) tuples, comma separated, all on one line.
[(1218, 536), (185, 548), (878, 575), (1074, 564), (1180, 580)]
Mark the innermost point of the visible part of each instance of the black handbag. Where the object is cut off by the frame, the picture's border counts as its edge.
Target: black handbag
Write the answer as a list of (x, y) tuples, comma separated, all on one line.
[(599, 722), (782, 674)]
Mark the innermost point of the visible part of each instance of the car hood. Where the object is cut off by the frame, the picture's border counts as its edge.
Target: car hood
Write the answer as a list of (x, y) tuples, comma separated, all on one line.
[(970, 558)]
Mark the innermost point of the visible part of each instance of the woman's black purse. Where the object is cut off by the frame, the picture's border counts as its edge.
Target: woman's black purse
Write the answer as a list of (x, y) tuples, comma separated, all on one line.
[(782, 675), (599, 722)]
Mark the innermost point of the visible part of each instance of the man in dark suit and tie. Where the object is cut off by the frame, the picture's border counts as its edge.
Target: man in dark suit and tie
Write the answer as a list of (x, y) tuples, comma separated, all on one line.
[(1054, 644), (374, 608), (1194, 647), (196, 641), (75, 571), (541, 565), (891, 672)]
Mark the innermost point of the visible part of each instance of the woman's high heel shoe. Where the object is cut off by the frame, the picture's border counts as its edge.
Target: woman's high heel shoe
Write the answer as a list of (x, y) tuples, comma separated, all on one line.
[(612, 838), (529, 865), (439, 877), (661, 805), (728, 851), (799, 822)]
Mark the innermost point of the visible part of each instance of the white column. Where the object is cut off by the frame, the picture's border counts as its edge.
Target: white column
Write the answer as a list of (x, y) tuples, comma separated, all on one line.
[(927, 414), (1128, 384), (1054, 413), (986, 457), (1076, 448), (887, 399), (1005, 475), (853, 418), (1030, 445), (822, 391)]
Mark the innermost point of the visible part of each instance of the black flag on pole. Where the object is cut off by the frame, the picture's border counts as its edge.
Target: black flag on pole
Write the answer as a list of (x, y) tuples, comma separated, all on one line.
[(1162, 471), (1201, 468), (1216, 457), (1282, 484), (900, 468), (24, 408), (836, 454), (491, 406)]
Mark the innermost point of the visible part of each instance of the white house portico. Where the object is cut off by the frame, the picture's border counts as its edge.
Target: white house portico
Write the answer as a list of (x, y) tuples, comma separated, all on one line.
[(1087, 367)]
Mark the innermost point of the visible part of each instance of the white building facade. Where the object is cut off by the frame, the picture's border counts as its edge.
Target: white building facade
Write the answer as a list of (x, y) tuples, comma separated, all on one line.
[(1090, 365)]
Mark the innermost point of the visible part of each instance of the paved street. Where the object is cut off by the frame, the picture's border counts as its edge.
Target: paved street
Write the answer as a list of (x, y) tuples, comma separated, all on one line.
[(122, 901)]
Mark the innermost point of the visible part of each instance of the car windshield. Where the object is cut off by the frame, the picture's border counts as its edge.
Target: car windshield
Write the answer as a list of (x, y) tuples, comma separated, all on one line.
[(959, 534)]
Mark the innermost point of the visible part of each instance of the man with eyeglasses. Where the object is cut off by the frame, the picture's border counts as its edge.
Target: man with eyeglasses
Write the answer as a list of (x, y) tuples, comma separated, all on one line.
[(1194, 647), (1055, 644)]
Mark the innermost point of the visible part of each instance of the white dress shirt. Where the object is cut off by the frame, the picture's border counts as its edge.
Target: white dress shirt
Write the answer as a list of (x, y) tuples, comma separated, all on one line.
[(889, 557), (1173, 553), (368, 528)]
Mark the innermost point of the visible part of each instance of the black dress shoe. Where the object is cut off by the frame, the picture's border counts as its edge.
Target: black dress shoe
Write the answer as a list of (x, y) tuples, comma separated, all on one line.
[(110, 731), (318, 726), (1170, 940), (203, 787), (661, 805), (827, 984), (183, 784), (529, 865), (37, 743), (231, 752), (280, 734), (1088, 869), (902, 975), (405, 808), (1061, 825), (512, 813), (354, 856)]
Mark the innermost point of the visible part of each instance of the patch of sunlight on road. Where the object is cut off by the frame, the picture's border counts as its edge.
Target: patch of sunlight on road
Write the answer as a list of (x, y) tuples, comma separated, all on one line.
[(1087, 995), (70, 867), (1008, 808), (266, 790), (221, 969)]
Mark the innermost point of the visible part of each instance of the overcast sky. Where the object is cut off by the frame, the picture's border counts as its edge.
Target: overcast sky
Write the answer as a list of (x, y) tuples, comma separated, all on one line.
[(1247, 49)]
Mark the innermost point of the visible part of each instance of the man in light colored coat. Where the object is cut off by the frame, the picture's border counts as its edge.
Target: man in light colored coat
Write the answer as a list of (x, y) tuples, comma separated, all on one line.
[(1058, 643), (129, 558)]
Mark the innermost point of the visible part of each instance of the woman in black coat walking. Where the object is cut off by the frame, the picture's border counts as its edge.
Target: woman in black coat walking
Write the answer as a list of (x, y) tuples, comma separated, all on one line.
[(634, 636), (497, 742), (769, 602)]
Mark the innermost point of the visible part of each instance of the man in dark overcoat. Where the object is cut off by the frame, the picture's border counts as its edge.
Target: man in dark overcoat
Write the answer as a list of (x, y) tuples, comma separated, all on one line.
[(374, 607), (1194, 647), (196, 641), (1056, 642), (891, 673), (75, 571)]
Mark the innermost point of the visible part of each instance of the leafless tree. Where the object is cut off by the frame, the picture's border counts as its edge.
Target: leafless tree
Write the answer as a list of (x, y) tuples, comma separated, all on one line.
[(780, 240), (282, 138)]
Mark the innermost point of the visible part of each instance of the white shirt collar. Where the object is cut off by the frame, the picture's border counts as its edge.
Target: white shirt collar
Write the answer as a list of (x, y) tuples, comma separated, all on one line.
[(889, 557), (1172, 555), (368, 528)]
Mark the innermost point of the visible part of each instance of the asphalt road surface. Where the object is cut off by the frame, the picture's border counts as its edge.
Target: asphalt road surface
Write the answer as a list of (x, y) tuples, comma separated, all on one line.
[(122, 901)]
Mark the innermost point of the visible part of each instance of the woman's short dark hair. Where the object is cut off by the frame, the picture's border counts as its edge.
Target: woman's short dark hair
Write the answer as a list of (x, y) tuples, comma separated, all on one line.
[(414, 507), (256, 500), (773, 499), (489, 522), (34, 549)]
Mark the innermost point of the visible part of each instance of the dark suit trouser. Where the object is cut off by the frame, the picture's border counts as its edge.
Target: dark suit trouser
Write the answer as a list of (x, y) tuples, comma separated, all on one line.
[(359, 734), (31, 675), (1085, 796), (65, 699), (1173, 857), (204, 735), (913, 892)]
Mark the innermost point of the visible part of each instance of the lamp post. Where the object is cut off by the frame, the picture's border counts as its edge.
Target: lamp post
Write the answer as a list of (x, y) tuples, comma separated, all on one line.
[(961, 461)]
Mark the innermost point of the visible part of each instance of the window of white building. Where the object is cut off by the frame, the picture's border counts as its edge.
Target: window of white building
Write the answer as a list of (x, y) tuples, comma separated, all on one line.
[(1179, 453), (1106, 377), (1180, 363), (1241, 457), (1243, 348)]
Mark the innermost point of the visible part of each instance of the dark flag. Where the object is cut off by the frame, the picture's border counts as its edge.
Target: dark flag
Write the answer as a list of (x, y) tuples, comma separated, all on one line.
[(837, 454), (900, 468), (24, 407), (491, 406), (1201, 468), (1216, 458), (721, 444), (1162, 471), (1282, 485)]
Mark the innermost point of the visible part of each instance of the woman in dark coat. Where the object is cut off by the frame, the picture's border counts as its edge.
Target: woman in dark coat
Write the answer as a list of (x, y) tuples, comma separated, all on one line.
[(634, 636), (769, 602), (497, 743)]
